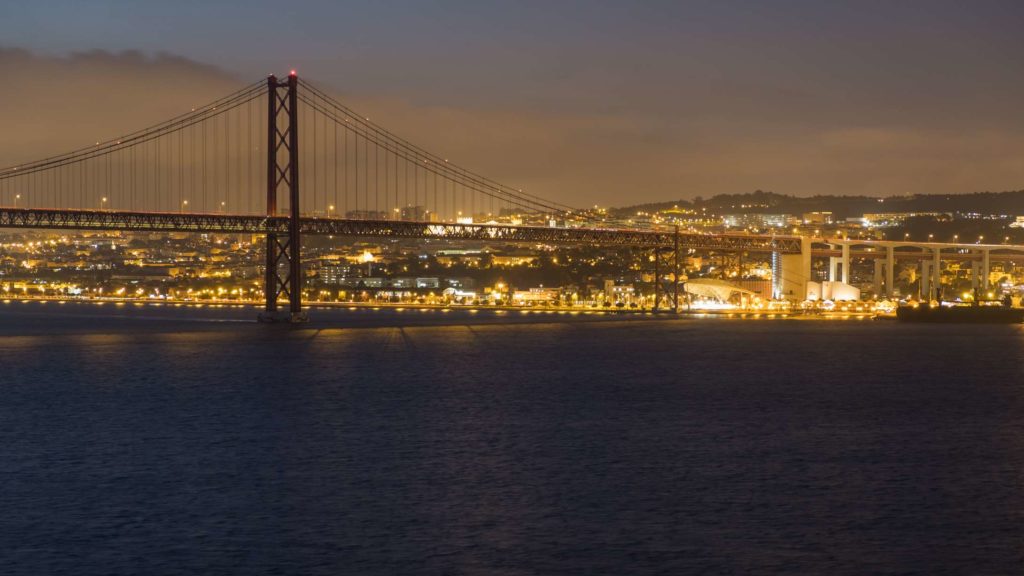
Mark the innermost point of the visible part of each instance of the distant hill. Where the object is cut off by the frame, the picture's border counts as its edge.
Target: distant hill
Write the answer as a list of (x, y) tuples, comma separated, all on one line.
[(1009, 203)]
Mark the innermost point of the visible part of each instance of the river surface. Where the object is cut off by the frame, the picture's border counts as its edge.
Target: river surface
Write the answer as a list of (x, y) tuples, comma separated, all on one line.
[(155, 440)]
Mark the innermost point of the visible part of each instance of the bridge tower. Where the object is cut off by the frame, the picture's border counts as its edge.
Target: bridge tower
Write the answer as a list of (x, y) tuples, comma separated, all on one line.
[(669, 257), (283, 275)]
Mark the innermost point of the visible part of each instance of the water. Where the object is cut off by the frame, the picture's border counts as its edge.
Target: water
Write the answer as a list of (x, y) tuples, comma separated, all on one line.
[(136, 442)]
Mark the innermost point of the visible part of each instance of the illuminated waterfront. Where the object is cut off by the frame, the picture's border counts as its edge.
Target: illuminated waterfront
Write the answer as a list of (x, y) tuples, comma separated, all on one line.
[(834, 275), (843, 312)]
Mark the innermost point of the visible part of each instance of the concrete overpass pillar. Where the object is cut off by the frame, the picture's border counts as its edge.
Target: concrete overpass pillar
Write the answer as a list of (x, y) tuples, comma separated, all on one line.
[(975, 265), (794, 271), (879, 264), (926, 280), (985, 269), (833, 268), (890, 268), (846, 263), (937, 271)]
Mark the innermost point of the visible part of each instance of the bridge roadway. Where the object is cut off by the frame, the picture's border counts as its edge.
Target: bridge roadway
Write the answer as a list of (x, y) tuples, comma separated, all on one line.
[(53, 219), (961, 253)]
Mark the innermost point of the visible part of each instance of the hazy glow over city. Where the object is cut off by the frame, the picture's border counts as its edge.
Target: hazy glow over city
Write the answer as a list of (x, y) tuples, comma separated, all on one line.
[(583, 102)]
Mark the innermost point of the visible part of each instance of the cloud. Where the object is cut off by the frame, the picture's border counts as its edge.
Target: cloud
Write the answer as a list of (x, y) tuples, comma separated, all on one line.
[(607, 155), (55, 104)]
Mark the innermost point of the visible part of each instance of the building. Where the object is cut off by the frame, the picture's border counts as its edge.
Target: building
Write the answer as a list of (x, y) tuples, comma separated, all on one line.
[(416, 213), (760, 287), (450, 257), (334, 274), (817, 218), (536, 295), (366, 215), (514, 258), (461, 282), (755, 220), (888, 219)]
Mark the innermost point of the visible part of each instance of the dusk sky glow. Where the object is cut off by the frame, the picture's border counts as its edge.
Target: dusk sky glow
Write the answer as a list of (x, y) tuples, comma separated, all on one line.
[(584, 102)]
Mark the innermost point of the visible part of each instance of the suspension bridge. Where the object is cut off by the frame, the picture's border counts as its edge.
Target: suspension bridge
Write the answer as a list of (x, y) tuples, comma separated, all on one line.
[(283, 158)]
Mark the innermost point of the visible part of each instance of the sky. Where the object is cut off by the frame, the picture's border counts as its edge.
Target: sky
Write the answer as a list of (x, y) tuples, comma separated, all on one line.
[(590, 102)]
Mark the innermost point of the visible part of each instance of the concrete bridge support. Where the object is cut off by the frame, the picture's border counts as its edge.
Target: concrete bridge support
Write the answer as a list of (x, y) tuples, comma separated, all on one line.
[(845, 262), (878, 278), (885, 271), (986, 270), (839, 266), (890, 268), (925, 292), (792, 272)]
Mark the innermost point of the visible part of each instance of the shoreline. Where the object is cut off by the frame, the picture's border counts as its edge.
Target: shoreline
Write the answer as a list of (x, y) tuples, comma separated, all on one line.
[(501, 310)]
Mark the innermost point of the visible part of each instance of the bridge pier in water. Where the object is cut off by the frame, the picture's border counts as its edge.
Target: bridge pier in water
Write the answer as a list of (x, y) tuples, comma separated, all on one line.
[(283, 274), (670, 258)]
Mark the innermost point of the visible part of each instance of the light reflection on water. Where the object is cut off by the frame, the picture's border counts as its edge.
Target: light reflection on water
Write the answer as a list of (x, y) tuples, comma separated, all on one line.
[(136, 441)]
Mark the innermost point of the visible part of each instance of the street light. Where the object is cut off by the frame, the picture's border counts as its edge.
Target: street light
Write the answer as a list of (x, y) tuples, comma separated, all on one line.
[(329, 210), (103, 202), (16, 198), (222, 205), (184, 205)]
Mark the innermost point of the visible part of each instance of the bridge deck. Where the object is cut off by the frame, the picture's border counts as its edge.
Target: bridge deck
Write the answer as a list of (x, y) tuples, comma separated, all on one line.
[(250, 224)]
